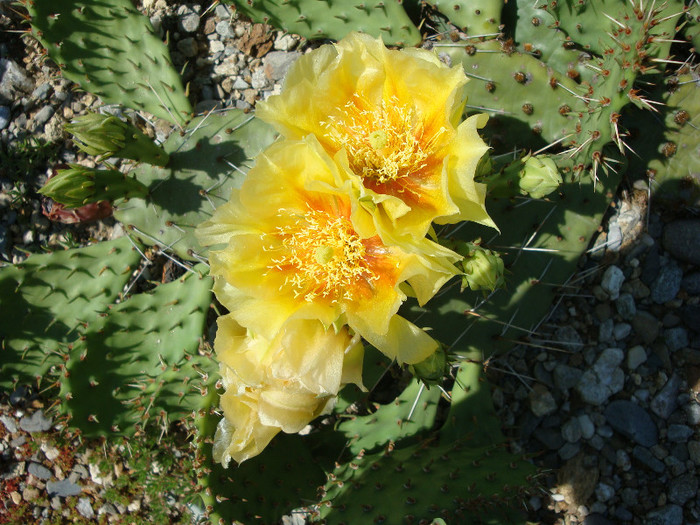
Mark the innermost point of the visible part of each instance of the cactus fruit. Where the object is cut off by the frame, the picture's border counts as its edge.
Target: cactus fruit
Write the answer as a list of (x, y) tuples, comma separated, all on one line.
[(111, 50)]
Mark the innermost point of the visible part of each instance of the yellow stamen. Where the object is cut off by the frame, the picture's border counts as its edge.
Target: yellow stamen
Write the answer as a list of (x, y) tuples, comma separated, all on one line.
[(383, 144), (322, 256)]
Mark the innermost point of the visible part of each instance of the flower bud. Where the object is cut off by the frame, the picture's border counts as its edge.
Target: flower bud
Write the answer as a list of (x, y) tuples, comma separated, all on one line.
[(107, 136), (79, 185), (433, 368), (483, 269), (539, 176)]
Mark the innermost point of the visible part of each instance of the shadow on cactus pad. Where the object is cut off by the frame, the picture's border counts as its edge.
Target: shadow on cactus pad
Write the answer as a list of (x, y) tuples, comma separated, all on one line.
[(208, 159)]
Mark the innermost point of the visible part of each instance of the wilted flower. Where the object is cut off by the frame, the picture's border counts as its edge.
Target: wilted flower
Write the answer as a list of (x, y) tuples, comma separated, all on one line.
[(107, 136), (278, 384), (395, 116), (298, 246), (483, 269), (539, 176)]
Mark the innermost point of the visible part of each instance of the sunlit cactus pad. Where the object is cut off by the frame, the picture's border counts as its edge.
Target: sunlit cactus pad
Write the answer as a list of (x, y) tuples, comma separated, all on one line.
[(209, 158), (48, 297), (110, 49)]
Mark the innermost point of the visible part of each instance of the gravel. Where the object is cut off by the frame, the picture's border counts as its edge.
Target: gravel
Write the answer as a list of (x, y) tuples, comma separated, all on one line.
[(611, 418)]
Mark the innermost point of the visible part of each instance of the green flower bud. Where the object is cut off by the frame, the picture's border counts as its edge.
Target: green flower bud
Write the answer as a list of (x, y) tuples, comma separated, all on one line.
[(107, 136), (483, 269), (79, 185), (433, 369), (539, 176)]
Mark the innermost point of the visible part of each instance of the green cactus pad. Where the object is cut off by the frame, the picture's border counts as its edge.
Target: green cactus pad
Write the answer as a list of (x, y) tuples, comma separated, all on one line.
[(670, 154), (320, 19), (391, 422), (262, 489), (476, 17), (458, 482), (138, 360), (111, 50), (48, 296), (529, 104), (207, 160)]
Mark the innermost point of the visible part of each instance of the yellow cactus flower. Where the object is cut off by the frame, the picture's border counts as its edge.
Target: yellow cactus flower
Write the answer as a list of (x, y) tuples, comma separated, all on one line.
[(299, 246), (279, 384), (395, 115)]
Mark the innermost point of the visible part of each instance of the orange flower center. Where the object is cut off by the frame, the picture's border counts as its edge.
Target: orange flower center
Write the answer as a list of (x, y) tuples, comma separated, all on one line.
[(383, 144), (322, 256)]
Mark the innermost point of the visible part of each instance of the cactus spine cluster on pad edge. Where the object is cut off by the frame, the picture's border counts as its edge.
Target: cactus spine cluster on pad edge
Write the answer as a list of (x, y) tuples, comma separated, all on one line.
[(561, 77)]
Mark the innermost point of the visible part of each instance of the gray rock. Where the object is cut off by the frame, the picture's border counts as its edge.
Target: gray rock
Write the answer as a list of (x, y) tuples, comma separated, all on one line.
[(569, 450), (692, 411), (239, 83), (690, 283), (42, 91), (541, 401), (258, 79), (9, 423), (63, 488), (571, 430), (612, 281), (224, 29), (108, 509), (636, 356), (39, 471), (277, 63), (189, 18), (667, 284), (85, 508), (37, 422), (604, 492), (632, 421), (222, 11), (682, 488), (646, 326), (606, 331), (13, 81), (676, 338), (666, 401), (19, 396), (565, 376), (682, 240), (668, 515), (42, 117), (587, 426), (188, 47), (647, 459), (5, 117), (678, 433), (604, 379), (626, 306), (569, 337), (621, 331)]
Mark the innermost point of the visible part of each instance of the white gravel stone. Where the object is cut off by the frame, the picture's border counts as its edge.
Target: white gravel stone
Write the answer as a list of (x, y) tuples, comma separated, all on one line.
[(612, 281)]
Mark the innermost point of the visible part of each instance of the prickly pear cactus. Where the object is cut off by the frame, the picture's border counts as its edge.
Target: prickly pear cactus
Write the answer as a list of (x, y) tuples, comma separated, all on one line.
[(51, 295), (111, 50), (569, 78), (209, 158), (314, 19)]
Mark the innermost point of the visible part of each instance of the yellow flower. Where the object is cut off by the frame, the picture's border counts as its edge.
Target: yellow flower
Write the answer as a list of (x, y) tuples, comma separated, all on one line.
[(299, 246), (395, 115), (279, 384)]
